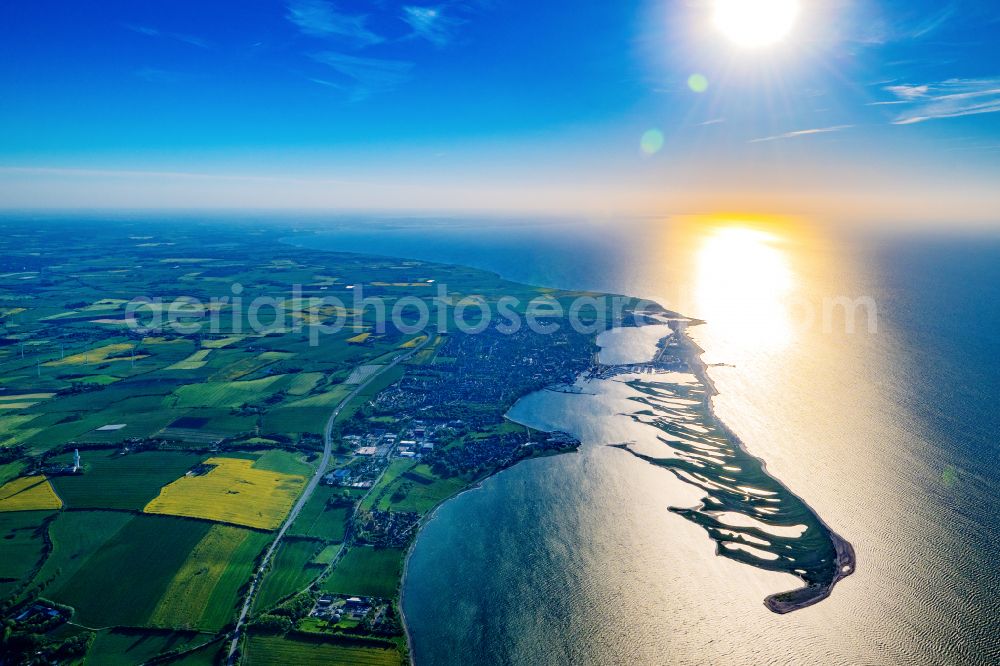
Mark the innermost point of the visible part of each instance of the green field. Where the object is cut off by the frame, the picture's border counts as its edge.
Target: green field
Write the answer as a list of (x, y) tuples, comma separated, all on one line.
[(326, 556), (328, 399), (226, 394), (284, 462), (22, 546), (369, 572), (210, 655), (270, 650), (113, 481), (285, 419), (128, 647), (291, 570), (142, 559), (304, 382), (10, 470), (204, 593), (322, 521), (420, 490), (76, 536)]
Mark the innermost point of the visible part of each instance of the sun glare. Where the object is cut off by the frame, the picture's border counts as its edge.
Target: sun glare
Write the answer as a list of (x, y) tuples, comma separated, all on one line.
[(755, 23), (743, 282)]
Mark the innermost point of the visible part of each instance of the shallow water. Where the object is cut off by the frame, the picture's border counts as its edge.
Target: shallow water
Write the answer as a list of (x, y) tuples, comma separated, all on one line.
[(889, 436)]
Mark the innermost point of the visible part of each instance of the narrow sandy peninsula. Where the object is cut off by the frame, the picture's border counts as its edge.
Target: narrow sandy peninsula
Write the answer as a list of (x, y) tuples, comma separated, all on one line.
[(751, 515)]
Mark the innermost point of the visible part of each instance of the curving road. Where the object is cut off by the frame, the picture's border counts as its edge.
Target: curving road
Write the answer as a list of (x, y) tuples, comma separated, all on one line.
[(307, 493)]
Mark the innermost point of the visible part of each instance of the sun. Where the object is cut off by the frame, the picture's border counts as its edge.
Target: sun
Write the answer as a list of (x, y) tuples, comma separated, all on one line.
[(755, 23)]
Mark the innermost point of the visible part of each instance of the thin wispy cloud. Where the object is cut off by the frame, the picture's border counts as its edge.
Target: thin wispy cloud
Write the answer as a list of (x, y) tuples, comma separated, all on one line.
[(933, 22), (143, 30), (430, 23), (873, 27), (799, 133), (363, 76), (148, 31), (317, 18), (908, 93), (328, 84), (947, 99)]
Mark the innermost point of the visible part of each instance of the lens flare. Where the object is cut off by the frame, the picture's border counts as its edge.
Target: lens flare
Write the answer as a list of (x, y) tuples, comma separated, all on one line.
[(698, 83), (651, 141)]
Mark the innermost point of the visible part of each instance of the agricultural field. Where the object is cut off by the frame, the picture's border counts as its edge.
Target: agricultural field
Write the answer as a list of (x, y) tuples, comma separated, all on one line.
[(120, 351), (28, 493), (142, 558), (231, 491), (114, 481), (291, 571), (195, 446), (75, 536), (11, 470), (193, 362), (12, 428), (219, 343), (22, 547), (284, 462), (418, 489), (126, 647), (204, 592), (327, 554), (268, 650), (304, 382), (226, 394), (366, 571), (320, 519), (19, 401)]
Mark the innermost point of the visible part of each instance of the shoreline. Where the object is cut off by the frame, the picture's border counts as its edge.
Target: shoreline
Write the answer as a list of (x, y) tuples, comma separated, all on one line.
[(430, 515), (846, 563), (691, 353)]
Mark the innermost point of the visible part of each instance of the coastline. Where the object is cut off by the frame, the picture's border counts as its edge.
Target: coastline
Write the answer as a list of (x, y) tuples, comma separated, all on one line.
[(846, 564), (430, 515), (779, 603)]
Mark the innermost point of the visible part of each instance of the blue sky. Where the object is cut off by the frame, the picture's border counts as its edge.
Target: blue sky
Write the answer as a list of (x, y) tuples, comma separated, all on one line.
[(886, 106)]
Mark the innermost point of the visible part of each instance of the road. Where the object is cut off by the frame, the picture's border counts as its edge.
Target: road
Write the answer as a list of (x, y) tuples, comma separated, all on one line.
[(307, 493)]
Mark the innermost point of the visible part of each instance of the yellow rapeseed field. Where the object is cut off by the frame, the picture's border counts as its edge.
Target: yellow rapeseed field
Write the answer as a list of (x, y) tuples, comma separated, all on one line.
[(234, 492), (410, 344), (28, 493), (98, 355)]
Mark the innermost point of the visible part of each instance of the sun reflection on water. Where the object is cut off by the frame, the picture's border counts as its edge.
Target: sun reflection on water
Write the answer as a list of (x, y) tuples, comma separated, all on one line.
[(744, 284)]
